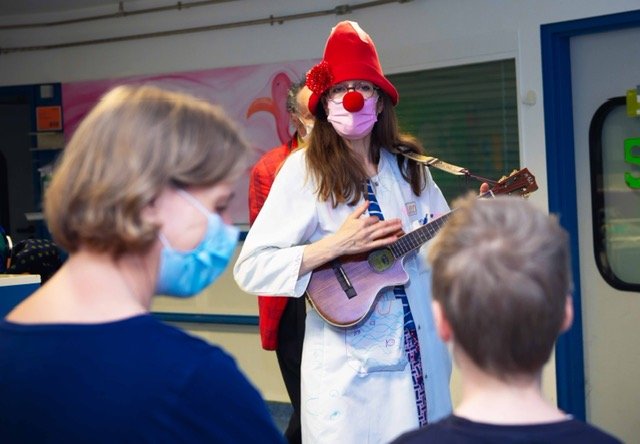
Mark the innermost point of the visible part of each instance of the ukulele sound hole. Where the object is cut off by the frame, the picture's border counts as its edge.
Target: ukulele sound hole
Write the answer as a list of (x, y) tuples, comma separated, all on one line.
[(381, 260)]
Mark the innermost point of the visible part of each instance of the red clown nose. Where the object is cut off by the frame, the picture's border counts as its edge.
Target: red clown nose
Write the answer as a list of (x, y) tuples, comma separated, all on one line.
[(353, 101)]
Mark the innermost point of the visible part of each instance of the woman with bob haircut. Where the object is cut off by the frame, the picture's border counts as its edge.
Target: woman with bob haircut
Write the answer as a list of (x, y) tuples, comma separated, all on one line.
[(138, 200)]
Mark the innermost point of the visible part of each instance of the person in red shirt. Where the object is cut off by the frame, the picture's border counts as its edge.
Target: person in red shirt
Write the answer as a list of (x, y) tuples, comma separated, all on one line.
[(282, 319)]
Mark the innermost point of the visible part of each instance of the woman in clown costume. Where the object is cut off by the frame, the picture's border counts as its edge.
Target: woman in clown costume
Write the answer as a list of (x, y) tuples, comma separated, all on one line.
[(349, 191)]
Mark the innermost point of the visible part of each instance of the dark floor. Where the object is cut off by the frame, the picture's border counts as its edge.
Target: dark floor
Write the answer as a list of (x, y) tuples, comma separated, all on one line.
[(281, 411)]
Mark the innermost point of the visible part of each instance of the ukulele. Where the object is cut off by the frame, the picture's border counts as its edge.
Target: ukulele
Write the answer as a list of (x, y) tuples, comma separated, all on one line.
[(344, 290)]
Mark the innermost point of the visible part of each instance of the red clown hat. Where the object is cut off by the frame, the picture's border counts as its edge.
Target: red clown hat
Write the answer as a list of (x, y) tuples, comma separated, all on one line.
[(348, 55)]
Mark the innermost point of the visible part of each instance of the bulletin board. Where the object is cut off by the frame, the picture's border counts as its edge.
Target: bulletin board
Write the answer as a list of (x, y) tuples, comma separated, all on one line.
[(253, 96)]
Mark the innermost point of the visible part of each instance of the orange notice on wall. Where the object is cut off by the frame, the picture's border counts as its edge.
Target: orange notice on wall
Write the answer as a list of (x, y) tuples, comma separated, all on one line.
[(48, 118)]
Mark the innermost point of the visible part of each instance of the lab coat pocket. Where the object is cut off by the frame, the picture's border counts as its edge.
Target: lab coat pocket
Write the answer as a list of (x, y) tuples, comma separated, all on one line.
[(377, 344)]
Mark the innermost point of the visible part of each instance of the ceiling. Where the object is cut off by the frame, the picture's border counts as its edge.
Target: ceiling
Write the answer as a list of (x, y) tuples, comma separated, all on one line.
[(19, 7)]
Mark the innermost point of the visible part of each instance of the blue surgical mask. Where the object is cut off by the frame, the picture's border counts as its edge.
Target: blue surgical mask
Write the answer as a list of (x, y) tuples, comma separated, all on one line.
[(187, 273)]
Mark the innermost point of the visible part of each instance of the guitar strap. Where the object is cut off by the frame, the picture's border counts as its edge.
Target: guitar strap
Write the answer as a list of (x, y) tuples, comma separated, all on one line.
[(437, 163), (445, 166)]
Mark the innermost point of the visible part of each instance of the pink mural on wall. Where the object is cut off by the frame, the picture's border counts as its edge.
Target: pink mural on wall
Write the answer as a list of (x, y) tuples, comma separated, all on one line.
[(254, 96)]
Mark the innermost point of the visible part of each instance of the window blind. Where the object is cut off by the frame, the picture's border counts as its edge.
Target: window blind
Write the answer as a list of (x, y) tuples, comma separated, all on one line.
[(465, 115)]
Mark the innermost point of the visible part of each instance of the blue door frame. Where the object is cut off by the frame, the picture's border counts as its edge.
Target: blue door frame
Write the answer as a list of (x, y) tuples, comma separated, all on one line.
[(559, 138)]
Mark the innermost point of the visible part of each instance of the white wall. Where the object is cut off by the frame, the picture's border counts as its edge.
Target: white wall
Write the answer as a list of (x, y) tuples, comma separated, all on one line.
[(416, 35)]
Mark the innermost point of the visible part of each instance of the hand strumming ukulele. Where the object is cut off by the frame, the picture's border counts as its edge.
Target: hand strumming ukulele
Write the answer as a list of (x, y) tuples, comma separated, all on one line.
[(344, 290)]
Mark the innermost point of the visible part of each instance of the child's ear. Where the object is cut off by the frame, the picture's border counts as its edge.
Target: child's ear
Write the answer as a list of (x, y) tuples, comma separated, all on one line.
[(568, 315), (442, 324)]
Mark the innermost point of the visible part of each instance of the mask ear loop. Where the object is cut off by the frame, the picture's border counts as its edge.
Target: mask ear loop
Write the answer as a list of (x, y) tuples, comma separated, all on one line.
[(196, 203), (164, 241), (210, 215)]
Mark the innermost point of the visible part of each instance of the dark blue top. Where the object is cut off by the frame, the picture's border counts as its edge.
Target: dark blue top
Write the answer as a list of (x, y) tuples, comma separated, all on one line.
[(456, 430), (135, 380)]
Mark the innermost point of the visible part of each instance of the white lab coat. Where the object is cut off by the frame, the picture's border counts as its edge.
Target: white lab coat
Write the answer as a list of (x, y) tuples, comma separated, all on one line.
[(354, 388)]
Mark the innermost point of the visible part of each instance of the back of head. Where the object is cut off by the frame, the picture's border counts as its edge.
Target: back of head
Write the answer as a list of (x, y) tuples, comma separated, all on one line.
[(501, 273), (299, 115), (131, 146), (292, 96)]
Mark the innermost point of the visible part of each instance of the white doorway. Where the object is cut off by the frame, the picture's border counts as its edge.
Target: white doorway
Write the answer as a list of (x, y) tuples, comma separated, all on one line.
[(585, 63)]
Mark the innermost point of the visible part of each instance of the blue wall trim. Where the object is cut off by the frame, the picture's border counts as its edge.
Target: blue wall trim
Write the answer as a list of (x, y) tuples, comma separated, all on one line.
[(558, 114), (207, 318), (559, 138)]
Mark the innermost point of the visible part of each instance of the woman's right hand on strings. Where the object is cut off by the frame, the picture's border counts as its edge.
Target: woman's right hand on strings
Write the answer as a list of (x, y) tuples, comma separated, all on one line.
[(358, 233)]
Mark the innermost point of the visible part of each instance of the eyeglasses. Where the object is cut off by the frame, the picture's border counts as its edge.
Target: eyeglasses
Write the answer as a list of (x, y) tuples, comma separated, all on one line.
[(337, 92)]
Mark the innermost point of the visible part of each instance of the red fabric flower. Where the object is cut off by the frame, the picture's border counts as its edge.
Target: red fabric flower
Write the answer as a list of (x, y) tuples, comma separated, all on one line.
[(319, 78)]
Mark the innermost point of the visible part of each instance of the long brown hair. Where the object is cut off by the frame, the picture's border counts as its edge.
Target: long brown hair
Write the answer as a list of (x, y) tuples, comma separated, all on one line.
[(338, 172)]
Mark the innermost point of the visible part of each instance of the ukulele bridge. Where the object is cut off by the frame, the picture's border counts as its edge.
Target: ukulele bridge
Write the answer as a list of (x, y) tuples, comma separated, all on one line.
[(343, 279)]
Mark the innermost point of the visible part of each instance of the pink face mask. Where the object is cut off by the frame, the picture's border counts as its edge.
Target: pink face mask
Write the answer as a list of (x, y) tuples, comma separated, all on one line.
[(355, 125)]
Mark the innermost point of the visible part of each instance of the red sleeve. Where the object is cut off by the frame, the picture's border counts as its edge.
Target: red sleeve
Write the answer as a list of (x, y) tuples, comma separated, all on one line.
[(259, 186), (262, 176)]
